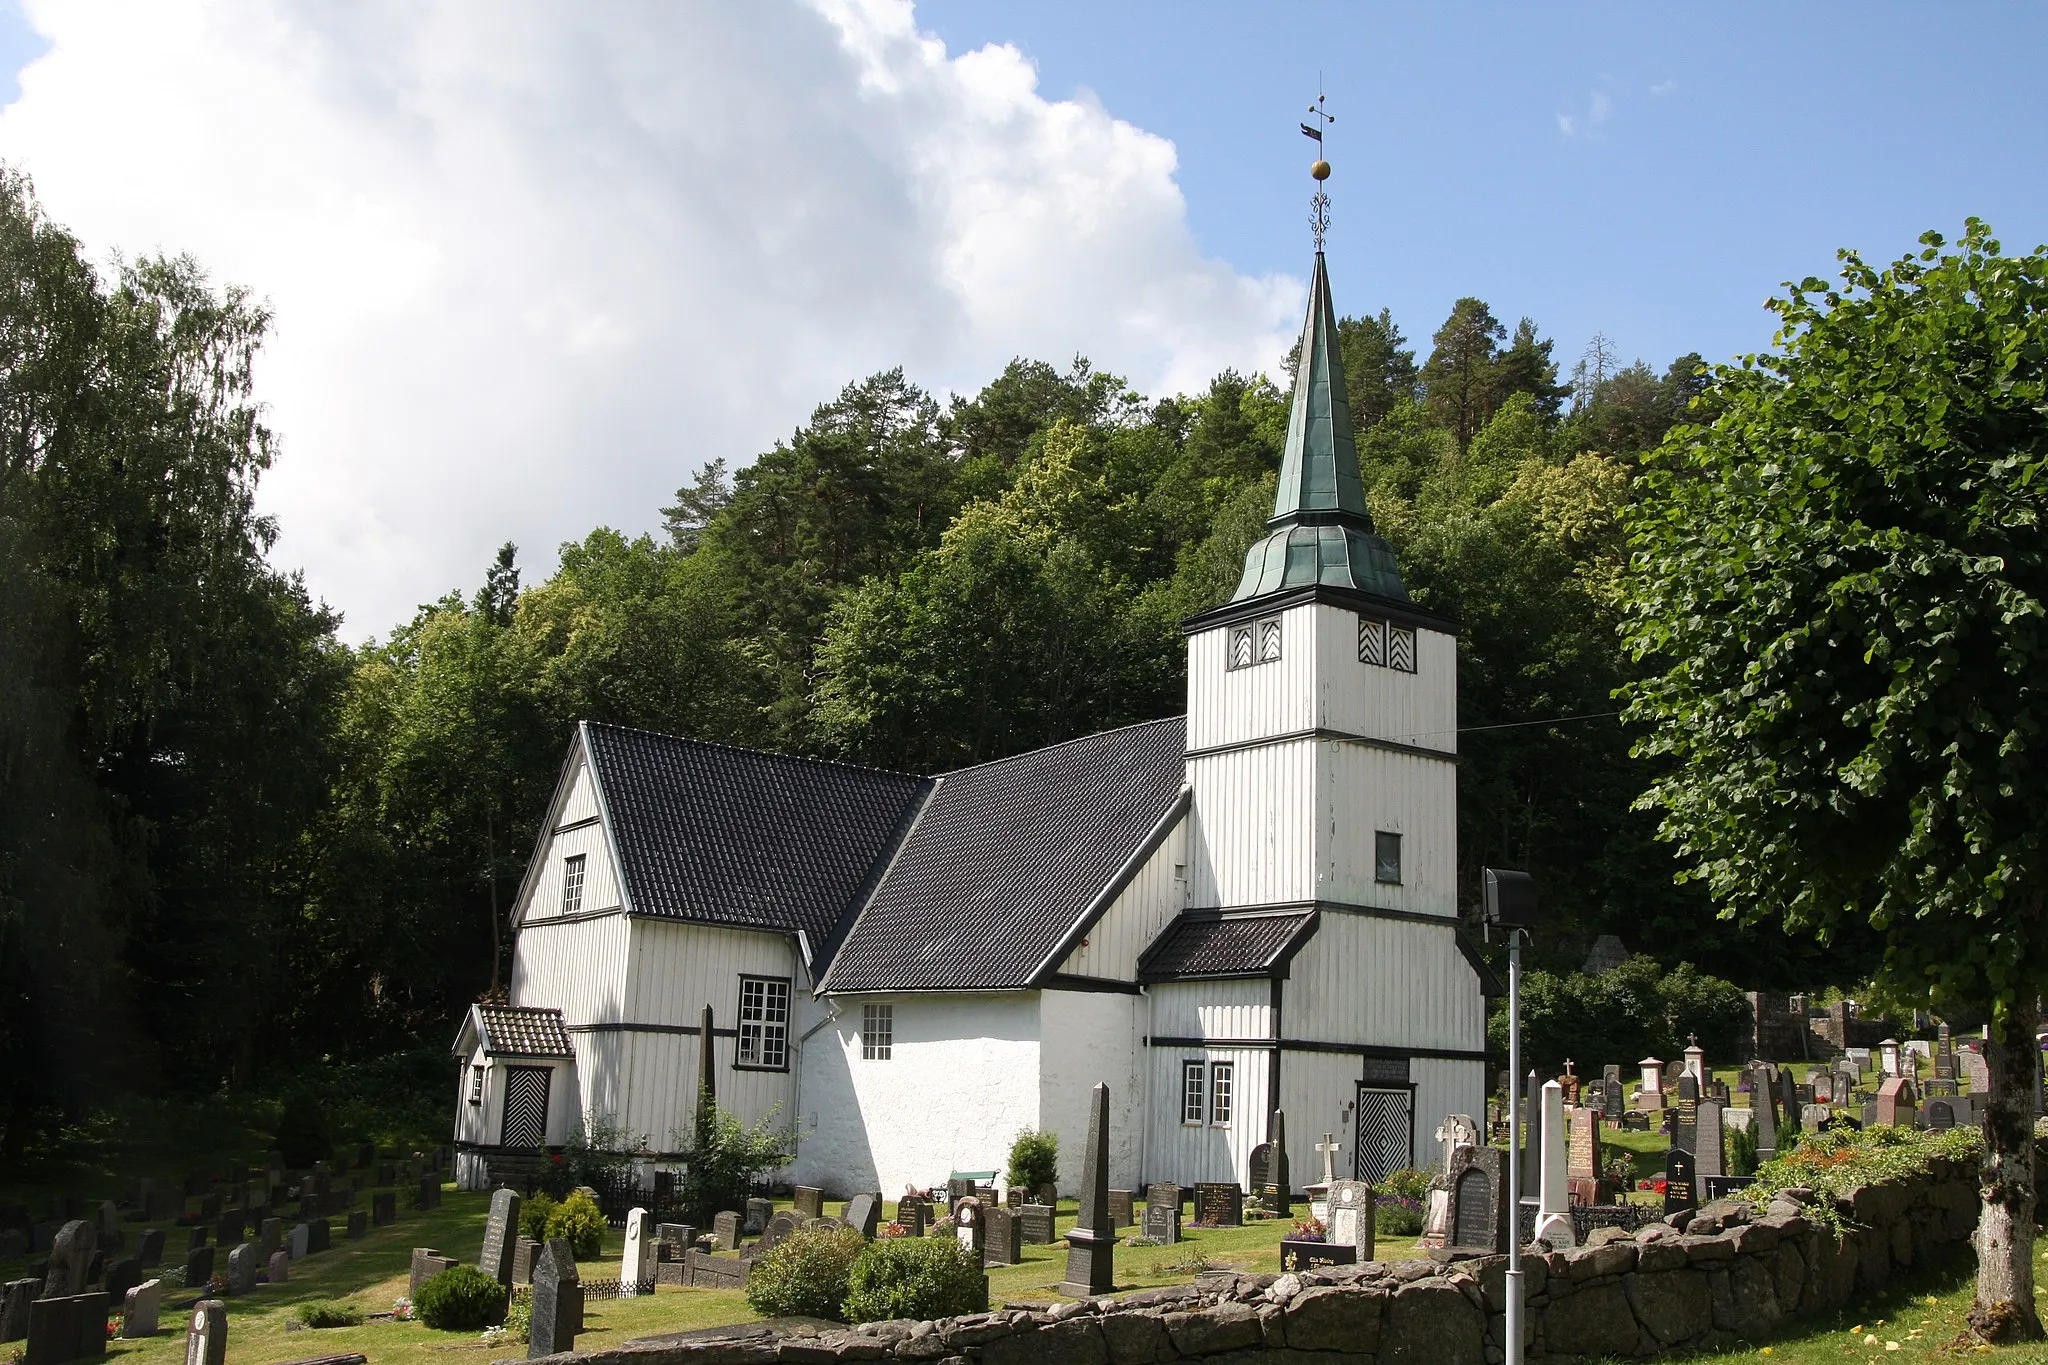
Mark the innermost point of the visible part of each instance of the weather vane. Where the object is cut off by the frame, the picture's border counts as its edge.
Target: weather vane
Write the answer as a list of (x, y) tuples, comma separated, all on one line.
[(1319, 205)]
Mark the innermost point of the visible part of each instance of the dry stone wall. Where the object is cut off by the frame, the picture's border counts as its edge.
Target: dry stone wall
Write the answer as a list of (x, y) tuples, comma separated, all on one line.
[(1727, 1274)]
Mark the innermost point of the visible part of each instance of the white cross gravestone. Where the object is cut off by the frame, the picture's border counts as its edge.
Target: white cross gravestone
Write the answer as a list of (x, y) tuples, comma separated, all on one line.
[(636, 1268), (1457, 1130), (1329, 1147)]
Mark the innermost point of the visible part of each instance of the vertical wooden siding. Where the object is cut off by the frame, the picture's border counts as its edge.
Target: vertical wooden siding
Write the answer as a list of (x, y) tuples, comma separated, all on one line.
[(1390, 983), (1252, 836), (1138, 915)]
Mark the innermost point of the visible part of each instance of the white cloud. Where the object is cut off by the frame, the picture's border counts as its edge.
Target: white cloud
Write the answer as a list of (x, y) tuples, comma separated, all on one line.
[(1664, 87), (1588, 124), (532, 265)]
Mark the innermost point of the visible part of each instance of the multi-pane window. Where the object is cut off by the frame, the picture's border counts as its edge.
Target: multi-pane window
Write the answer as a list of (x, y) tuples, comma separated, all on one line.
[(1384, 644), (572, 884), (1192, 1108), (1386, 857), (877, 1032), (1222, 1087), (476, 1085), (764, 1021), (1256, 642)]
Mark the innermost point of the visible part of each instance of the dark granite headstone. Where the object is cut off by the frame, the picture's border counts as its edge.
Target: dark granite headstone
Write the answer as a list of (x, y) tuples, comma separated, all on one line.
[(1687, 1120), (1035, 1224), (780, 1226), (122, 1276), (14, 1301), (1163, 1193), (1710, 1153), (427, 1262), (229, 1227), (429, 1192), (384, 1208), (759, 1211), (864, 1213), (206, 1333), (524, 1252), (1162, 1223), (243, 1263), (557, 1301), (196, 1238), (914, 1214), (1000, 1243), (209, 1207), (150, 1250), (198, 1267), (1681, 1190), (71, 1255), (501, 1231), (1477, 1184), (1940, 1114), (67, 1327), (319, 1236), (1218, 1204), (1123, 1208)]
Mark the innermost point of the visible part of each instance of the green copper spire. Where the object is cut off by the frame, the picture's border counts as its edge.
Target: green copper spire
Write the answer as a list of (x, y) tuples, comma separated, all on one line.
[(1321, 530)]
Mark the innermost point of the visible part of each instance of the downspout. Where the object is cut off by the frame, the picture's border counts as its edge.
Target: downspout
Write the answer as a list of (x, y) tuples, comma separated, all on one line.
[(796, 1119)]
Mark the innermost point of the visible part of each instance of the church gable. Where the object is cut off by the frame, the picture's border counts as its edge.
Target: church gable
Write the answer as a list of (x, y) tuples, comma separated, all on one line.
[(1007, 859)]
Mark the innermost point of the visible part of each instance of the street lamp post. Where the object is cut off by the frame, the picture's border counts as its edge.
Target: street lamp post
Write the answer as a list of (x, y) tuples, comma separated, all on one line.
[(1511, 905)]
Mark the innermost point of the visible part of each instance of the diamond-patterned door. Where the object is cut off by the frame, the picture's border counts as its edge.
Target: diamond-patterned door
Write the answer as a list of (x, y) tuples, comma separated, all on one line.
[(1386, 1133), (526, 1106)]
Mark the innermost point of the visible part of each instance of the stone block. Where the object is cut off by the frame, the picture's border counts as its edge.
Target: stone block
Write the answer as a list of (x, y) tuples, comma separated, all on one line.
[(1207, 1331), (1135, 1338), (1076, 1342), (1674, 1304), (1431, 1322), (1594, 1321), (1326, 1318)]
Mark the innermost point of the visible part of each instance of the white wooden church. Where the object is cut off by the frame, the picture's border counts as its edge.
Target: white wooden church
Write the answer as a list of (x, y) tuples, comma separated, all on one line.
[(1249, 908)]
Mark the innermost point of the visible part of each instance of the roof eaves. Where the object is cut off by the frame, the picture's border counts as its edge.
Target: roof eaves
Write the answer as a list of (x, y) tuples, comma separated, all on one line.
[(879, 875), (1176, 809), (471, 1027), (604, 820), (1283, 960)]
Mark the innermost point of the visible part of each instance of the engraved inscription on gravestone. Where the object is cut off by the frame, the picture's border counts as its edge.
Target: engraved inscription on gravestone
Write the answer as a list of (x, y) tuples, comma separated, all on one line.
[(1218, 1204), (1680, 1188), (1034, 1224)]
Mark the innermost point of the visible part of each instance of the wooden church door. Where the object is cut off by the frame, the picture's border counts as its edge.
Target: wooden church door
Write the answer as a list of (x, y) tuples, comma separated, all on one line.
[(526, 1106)]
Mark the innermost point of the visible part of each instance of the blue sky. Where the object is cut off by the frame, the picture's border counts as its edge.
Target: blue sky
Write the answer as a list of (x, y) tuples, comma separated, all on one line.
[(1714, 150)]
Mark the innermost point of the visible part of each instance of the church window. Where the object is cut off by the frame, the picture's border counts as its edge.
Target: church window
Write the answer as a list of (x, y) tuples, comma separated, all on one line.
[(1222, 1078), (1386, 645), (1242, 654), (476, 1085), (877, 1032), (1269, 640), (1401, 648), (572, 884), (1255, 643), (1191, 1106), (764, 1022), (1386, 857)]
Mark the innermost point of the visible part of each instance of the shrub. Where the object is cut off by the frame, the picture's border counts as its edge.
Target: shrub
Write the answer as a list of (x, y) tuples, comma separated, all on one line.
[(460, 1299), (519, 1318), (533, 1215), (804, 1275), (1034, 1160), (1835, 1162), (577, 1218), (1396, 1215), (915, 1278), (321, 1313), (724, 1157)]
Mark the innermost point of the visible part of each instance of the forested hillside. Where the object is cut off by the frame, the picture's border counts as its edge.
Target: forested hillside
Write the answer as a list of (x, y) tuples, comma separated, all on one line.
[(230, 843)]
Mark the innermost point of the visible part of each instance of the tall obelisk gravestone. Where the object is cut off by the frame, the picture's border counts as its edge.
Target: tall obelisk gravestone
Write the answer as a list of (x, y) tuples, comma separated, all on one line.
[(1091, 1245)]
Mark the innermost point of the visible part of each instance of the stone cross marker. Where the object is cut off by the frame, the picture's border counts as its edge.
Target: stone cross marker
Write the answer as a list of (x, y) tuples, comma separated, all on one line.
[(1329, 1147), (501, 1234), (557, 1301), (206, 1333), (1092, 1241), (1457, 1130)]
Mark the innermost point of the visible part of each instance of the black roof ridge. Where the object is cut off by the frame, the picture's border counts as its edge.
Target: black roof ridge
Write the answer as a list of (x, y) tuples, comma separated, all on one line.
[(1077, 739), (755, 753)]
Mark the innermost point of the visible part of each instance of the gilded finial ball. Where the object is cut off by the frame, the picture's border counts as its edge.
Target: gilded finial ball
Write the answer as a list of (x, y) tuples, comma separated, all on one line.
[(1321, 170)]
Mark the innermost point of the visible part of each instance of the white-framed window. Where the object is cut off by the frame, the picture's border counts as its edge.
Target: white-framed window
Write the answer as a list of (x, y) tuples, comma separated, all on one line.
[(1386, 857), (572, 884), (1255, 642), (764, 1022), (877, 1032), (1192, 1075), (476, 1085), (1384, 644), (1222, 1091)]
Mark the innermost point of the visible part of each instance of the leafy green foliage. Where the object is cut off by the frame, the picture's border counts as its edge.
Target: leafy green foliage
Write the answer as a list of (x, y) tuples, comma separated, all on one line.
[(725, 1156), (324, 1313), (1034, 1160), (913, 1277), (577, 1220), (1638, 1009), (1832, 1164), (460, 1299), (302, 1133), (534, 1212), (807, 1273), (1399, 1202)]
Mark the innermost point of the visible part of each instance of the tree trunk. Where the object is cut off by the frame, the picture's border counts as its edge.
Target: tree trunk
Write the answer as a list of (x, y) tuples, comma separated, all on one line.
[(2004, 1310)]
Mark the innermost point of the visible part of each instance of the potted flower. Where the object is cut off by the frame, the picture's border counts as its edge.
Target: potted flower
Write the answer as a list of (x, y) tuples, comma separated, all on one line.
[(1308, 1245)]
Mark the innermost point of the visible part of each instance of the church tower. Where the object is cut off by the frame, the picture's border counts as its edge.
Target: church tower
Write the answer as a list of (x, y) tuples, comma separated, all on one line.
[(1322, 702)]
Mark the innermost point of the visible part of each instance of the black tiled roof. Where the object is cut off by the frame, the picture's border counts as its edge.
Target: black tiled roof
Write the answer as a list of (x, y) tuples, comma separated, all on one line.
[(523, 1031), (1005, 859), (731, 836), (1242, 945)]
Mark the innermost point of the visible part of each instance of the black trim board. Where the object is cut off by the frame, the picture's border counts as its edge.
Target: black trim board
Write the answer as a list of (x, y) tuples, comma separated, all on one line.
[(616, 1026), (536, 921), (1066, 981), (1407, 613), (1335, 736), (1444, 1054), (585, 823)]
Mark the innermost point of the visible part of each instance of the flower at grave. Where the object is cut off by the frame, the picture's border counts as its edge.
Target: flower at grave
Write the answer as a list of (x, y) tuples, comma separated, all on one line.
[(113, 1326), (893, 1230), (1309, 1230), (401, 1310)]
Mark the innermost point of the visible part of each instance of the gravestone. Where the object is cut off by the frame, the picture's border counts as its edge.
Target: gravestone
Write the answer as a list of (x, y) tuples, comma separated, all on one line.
[(384, 1208), (1091, 1243), (206, 1333), (864, 1211), (913, 1213), (1897, 1104), (1164, 1193), (1814, 1115), (319, 1236), (1034, 1224), (1974, 1071), (358, 1225), (557, 1301), (243, 1263), (957, 1189), (501, 1231), (108, 1219), (1000, 1241), (779, 1227), (13, 1244), (164, 1206), (525, 1251), (1688, 1112), (269, 1236), (636, 1264), (140, 1309), (209, 1206), (1941, 1114), (1162, 1223), (427, 1262), (1681, 1190), (1457, 1130), (229, 1227), (71, 1327), (198, 1267), (1350, 1221), (1476, 1205), (1123, 1208), (725, 1231), (150, 1250), (969, 1229), (298, 1240), (429, 1192), (1271, 1181), (122, 1276), (1710, 1153), (758, 1211), (1764, 1114), (808, 1201), (70, 1260), (280, 1267), (1582, 1145), (1788, 1100), (14, 1301), (1218, 1204)]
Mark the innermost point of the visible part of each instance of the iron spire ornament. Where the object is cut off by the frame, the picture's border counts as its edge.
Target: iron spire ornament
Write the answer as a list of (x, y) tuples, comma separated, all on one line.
[(1319, 203)]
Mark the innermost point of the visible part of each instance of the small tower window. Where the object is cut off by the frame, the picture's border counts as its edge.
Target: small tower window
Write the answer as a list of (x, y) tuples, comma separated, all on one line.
[(1386, 857), (572, 884), (877, 1032), (1401, 648), (476, 1085), (1257, 642), (1386, 645)]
